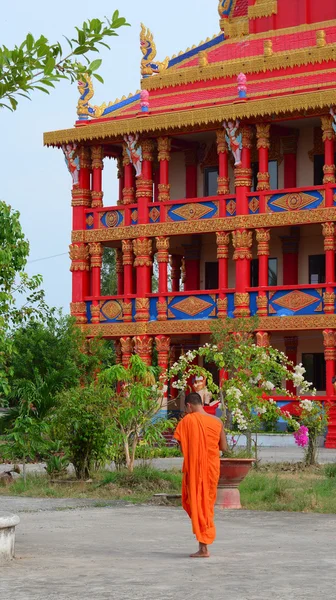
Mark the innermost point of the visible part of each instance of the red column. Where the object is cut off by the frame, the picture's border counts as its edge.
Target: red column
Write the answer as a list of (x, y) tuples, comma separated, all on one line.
[(176, 263), (129, 179), (120, 272), (243, 173), (127, 251), (162, 245), (191, 173), (329, 248), (223, 240), (162, 344), (289, 145), (142, 248), (121, 178), (126, 350), (79, 252), (192, 266), (97, 175), (223, 164), (291, 345), (96, 254), (242, 243), (328, 137), (164, 148), (263, 144), (290, 250), (118, 351), (143, 345), (263, 239), (144, 184), (329, 341)]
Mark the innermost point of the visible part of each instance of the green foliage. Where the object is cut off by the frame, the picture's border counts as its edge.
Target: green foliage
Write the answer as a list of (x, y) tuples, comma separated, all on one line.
[(330, 470), (109, 273), (14, 283), (314, 416), (82, 421), (136, 400), (38, 65), (56, 466)]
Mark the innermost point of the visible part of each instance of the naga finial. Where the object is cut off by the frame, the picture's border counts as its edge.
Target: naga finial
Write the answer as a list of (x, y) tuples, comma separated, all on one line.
[(148, 49), (224, 8), (85, 110)]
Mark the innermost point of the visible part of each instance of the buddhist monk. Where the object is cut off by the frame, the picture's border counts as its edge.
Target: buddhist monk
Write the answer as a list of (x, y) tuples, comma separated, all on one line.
[(201, 437)]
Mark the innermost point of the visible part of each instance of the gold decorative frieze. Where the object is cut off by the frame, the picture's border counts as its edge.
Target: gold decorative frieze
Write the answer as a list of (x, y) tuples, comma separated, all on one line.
[(192, 306), (296, 300)]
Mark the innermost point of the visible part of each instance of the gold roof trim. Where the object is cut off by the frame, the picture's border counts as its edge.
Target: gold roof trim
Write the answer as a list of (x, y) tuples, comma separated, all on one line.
[(249, 64), (191, 118), (263, 8)]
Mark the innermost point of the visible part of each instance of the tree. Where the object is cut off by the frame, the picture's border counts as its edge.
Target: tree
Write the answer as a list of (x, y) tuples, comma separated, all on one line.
[(109, 273), (136, 401), (36, 64)]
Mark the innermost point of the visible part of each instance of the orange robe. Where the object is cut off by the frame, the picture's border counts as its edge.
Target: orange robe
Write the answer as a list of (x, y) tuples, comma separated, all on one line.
[(199, 436)]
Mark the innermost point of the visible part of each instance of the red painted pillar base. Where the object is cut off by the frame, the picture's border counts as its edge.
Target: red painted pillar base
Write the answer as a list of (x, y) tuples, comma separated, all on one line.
[(228, 498)]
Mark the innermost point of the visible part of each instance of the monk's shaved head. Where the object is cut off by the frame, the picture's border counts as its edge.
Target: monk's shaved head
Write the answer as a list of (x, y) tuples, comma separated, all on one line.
[(193, 399)]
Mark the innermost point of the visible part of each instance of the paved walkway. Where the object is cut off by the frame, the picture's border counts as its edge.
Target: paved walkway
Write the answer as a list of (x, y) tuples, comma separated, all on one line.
[(265, 454), (141, 553)]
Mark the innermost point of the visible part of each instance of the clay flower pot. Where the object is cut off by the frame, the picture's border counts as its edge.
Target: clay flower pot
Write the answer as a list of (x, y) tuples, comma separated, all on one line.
[(232, 473)]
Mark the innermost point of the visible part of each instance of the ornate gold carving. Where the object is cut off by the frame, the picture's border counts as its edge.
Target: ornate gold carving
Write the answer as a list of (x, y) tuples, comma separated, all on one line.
[(162, 245), (97, 199), (329, 302), (328, 230), (222, 306), (97, 156), (128, 195), (142, 309), (263, 8), (79, 255), (117, 347), (318, 215), (164, 148), (203, 59), (84, 157), (126, 349), (95, 312), (263, 339), (263, 239), (327, 129), (329, 339), (162, 343), (194, 327), (80, 197), (127, 311), (147, 150), (263, 135), (127, 250), (242, 242), (162, 310), (222, 146), (192, 305), (321, 38), (263, 181), (78, 311), (223, 185), (120, 169), (254, 205), (96, 249), (126, 158), (119, 261), (235, 27), (242, 304), (191, 211), (268, 48), (223, 241), (247, 135), (329, 174), (144, 188), (143, 346), (164, 192), (142, 248), (296, 300), (262, 305), (243, 177), (111, 309)]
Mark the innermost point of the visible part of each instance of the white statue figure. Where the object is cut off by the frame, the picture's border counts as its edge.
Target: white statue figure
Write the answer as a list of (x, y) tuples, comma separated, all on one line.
[(72, 161), (234, 141), (134, 153), (332, 112)]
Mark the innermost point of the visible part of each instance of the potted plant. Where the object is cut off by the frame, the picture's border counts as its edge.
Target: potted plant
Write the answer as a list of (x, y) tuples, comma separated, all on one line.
[(235, 464)]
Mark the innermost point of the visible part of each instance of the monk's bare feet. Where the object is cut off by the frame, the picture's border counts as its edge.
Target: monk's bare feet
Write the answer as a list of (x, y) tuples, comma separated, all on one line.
[(202, 552)]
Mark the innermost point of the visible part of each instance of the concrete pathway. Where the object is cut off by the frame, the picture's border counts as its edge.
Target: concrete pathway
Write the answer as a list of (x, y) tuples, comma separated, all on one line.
[(127, 552)]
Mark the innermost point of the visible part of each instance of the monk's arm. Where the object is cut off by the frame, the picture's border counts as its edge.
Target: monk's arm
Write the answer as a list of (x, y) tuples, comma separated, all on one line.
[(222, 441)]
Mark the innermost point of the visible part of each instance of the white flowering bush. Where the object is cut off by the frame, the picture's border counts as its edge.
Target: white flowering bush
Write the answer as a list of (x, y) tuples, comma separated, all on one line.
[(254, 373), (314, 417)]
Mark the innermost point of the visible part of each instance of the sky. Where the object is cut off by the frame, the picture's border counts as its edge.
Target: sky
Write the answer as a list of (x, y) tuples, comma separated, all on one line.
[(34, 179)]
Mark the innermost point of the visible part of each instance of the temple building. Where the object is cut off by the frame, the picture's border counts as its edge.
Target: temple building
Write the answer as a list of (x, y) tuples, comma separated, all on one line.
[(226, 167)]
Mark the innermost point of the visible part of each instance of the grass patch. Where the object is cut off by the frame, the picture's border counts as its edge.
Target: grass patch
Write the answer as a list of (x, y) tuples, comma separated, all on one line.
[(139, 486)]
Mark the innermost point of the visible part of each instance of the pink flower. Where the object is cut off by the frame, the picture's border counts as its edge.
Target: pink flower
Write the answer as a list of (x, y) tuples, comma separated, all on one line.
[(301, 436)]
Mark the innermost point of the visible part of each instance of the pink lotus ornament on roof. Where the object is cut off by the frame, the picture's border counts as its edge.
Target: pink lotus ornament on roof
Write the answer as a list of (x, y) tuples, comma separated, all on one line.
[(242, 89), (144, 101)]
